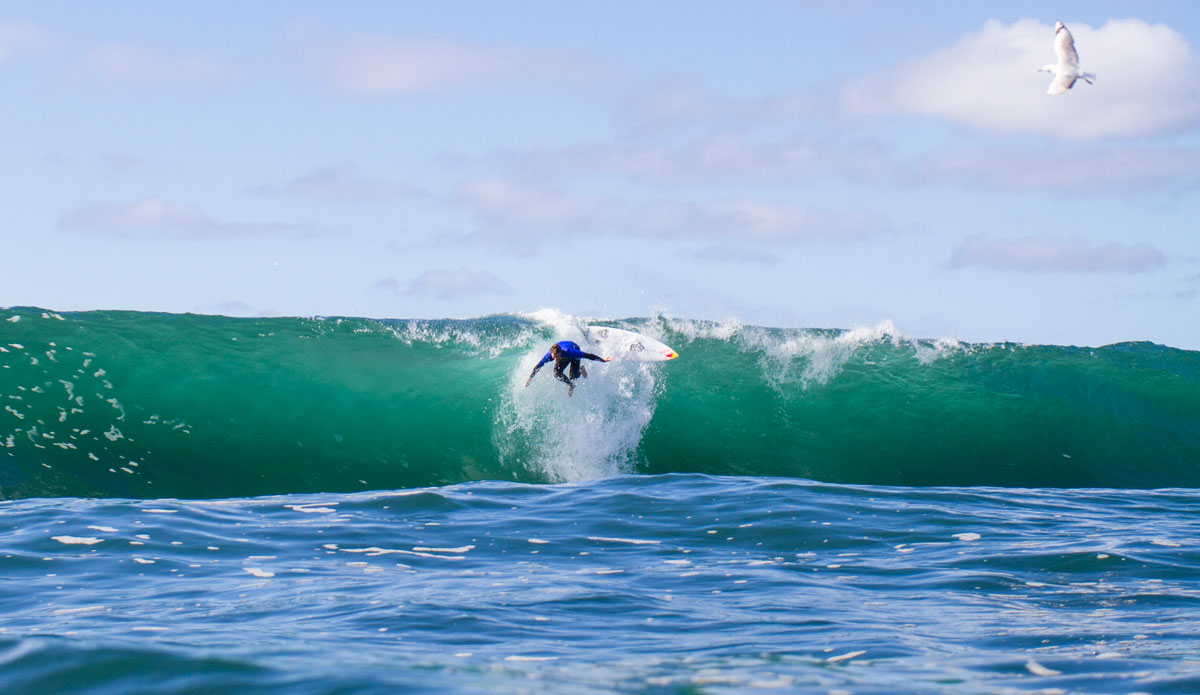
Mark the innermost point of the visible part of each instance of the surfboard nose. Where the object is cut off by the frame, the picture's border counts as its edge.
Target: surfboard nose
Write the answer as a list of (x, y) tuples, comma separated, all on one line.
[(670, 354)]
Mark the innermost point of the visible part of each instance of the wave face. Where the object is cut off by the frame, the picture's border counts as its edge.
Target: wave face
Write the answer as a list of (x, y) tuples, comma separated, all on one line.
[(146, 405)]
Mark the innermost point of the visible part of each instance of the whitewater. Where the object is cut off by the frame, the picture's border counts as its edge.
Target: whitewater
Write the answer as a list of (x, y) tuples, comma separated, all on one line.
[(202, 503)]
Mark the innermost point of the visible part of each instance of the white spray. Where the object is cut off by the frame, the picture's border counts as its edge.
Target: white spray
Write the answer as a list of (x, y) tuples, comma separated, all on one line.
[(592, 434)]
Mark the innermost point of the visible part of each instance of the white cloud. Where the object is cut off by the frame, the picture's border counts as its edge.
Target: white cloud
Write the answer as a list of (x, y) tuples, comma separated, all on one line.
[(156, 216), (135, 64), (146, 214), (341, 182), (516, 207), (16, 37), (729, 157), (1045, 254), (526, 211), (1148, 82), (756, 221), (1101, 170), (388, 66), (670, 105), (121, 162), (729, 253), (680, 104), (453, 284), (721, 157)]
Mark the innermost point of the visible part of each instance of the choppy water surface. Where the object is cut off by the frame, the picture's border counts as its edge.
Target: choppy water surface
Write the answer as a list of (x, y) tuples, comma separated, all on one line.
[(639, 584)]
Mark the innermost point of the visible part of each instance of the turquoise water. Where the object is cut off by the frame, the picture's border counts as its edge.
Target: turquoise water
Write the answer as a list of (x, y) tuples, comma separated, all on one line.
[(206, 504), (123, 404)]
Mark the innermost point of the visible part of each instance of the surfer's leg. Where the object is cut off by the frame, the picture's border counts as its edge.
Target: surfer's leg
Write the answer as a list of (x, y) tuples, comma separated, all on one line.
[(575, 367)]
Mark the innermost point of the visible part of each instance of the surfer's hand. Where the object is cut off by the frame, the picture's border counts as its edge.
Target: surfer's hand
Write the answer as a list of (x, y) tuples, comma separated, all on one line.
[(527, 382), (609, 359)]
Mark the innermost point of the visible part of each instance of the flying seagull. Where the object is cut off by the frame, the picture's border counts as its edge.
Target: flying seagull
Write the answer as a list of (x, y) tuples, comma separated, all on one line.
[(1067, 70)]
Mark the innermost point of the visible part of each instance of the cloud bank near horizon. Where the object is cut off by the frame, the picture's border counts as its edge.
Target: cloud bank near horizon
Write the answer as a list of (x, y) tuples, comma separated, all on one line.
[(156, 216), (458, 283), (1044, 254), (514, 209)]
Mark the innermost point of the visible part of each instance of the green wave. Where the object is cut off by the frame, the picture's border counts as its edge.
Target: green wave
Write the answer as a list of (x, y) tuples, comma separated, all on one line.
[(131, 404)]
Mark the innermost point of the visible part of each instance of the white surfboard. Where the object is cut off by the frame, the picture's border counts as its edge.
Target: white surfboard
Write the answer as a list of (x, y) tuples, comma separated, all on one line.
[(627, 345)]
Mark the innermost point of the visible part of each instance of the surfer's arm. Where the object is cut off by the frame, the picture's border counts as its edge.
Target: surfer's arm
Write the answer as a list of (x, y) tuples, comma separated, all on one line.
[(546, 358), (573, 351)]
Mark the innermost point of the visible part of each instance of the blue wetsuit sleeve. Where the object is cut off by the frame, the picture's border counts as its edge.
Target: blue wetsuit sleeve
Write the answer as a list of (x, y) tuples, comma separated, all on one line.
[(573, 351), (545, 358)]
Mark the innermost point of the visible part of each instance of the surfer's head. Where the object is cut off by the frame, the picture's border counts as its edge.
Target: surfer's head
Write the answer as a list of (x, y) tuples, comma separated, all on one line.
[(554, 350)]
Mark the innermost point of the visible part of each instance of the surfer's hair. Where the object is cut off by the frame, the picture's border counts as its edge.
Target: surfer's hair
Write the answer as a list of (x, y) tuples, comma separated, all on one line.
[(555, 349)]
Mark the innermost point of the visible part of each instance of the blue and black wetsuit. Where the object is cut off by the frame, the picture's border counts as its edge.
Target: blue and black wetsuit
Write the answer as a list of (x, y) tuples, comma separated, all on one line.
[(569, 354)]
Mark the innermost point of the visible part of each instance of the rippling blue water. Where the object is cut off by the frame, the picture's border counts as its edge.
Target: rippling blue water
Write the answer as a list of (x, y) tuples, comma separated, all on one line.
[(637, 584)]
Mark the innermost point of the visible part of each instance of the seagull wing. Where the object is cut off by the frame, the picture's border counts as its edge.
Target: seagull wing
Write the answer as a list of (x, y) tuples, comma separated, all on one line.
[(1062, 82), (1064, 48)]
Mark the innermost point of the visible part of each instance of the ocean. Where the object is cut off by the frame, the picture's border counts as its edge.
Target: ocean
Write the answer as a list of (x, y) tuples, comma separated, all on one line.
[(205, 504)]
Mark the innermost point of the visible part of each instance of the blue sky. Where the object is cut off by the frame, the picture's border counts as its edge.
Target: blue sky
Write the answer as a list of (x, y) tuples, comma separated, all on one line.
[(774, 163)]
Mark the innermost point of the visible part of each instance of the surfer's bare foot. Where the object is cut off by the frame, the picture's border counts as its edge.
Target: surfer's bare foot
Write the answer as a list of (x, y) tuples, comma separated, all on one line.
[(570, 390), (583, 371)]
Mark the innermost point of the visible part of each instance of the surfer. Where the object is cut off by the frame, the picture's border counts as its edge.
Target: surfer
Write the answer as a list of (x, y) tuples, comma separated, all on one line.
[(566, 353)]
